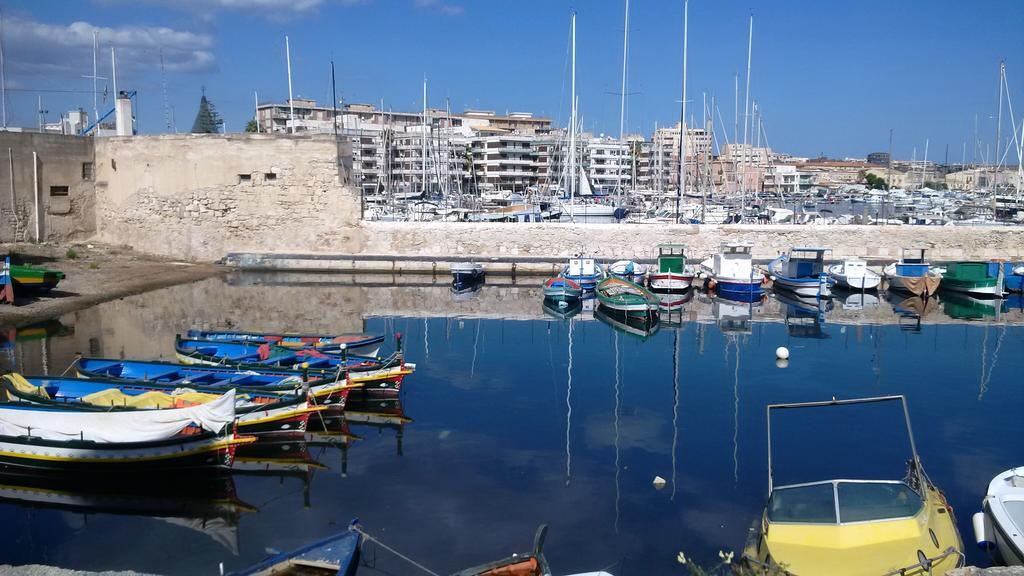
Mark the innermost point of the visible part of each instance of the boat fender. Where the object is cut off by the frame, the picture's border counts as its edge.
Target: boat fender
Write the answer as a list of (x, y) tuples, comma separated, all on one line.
[(712, 284), (983, 531)]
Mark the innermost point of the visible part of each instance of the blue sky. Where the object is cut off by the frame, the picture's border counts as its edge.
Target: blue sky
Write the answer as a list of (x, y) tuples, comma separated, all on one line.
[(830, 77)]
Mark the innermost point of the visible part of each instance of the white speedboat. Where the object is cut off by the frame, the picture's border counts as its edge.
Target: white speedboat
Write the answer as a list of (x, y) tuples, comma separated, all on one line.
[(1001, 523), (854, 274)]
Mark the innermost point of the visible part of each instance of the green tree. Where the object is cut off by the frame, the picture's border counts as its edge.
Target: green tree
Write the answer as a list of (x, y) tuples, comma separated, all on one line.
[(875, 182), (207, 119), (252, 127)]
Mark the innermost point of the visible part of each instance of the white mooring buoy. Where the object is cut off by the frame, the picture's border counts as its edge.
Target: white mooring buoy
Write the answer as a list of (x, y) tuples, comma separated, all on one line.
[(782, 353)]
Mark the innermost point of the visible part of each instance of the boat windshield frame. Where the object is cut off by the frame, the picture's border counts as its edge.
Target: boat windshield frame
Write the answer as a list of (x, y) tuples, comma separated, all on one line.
[(914, 469), (836, 503), (913, 256)]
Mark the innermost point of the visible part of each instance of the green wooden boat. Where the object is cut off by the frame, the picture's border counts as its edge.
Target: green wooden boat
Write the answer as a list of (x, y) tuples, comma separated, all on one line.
[(983, 279), (626, 297), (35, 278)]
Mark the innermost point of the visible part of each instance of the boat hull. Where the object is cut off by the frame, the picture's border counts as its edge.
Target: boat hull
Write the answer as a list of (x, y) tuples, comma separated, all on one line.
[(203, 452), (922, 286), (739, 291), (987, 288), (669, 281), (801, 287)]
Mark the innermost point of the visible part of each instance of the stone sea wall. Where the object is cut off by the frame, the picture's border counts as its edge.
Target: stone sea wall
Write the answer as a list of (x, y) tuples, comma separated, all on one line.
[(614, 241), (197, 197)]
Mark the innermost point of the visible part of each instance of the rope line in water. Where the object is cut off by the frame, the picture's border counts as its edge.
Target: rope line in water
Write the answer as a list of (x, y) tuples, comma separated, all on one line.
[(357, 528)]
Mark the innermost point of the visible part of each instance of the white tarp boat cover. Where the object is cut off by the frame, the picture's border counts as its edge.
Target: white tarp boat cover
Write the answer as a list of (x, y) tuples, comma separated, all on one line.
[(119, 426)]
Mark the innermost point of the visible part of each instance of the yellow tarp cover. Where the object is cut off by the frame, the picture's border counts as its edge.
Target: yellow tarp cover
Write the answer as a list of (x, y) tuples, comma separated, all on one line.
[(24, 386), (151, 399)]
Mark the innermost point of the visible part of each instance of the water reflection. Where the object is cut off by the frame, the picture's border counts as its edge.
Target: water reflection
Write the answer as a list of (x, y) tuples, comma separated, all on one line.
[(518, 420)]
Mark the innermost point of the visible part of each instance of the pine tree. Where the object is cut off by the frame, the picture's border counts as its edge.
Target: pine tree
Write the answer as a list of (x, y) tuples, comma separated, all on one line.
[(207, 119)]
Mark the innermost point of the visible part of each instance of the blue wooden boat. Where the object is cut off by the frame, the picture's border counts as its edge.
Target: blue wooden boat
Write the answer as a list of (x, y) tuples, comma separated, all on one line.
[(254, 354), (1013, 276), (324, 386), (361, 344), (336, 555), (255, 412), (584, 271), (53, 439), (562, 289), (802, 271)]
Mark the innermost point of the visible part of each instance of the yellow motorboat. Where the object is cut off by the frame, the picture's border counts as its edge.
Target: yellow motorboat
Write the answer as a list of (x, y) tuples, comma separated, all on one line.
[(846, 527)]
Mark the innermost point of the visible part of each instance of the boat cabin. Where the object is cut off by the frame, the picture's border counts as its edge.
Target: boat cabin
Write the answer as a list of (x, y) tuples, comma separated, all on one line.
[(672, 258), (912, 263), (733, 260), (582, 267), (806, 262)]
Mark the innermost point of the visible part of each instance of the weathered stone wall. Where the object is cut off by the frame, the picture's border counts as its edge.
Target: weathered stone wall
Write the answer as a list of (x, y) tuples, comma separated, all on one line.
[(32, 190), (198, 197), (614, 241)]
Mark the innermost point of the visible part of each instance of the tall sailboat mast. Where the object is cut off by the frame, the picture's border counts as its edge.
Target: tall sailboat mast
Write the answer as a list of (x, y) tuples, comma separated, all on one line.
[(625, 53), (999, 134), (572, 120), (622, 105), (682, 115), (423, 174), (746, 116), (291, 104)]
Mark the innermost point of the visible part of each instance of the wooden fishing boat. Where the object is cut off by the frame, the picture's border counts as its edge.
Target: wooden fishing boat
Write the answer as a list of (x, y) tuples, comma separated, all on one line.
[(250, 355), (628, 270), (325, 386), (854, 274), (336, 555), (731, 273), (34, 278), (852, 527), (671, 272), (358, 344), (802, 271), (626, 297), (1000, 524), (48, 439), (585, 272), (984, 279), (531, 563), (256, 413), (913, 273), (562, 289)]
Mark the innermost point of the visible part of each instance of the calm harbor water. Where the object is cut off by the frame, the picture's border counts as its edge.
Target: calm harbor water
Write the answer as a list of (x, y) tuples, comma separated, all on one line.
[(519, 418)]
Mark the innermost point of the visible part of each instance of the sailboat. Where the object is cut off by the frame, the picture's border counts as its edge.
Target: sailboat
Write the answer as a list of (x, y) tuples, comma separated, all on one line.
[(583, 208)]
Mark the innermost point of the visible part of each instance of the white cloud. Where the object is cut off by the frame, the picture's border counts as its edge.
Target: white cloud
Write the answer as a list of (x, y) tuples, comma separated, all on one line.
[(38, 48), (441, 6)]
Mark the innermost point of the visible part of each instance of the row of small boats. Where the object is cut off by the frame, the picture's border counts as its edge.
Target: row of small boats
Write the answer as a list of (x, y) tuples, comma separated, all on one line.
[(228, 389), (803, 271)]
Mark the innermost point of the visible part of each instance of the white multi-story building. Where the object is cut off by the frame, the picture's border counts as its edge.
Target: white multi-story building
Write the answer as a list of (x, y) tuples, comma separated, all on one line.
[(607, 162)]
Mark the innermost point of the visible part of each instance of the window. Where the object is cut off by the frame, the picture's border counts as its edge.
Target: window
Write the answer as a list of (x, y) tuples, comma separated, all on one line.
[(87, 171), (58, 190), (269, 176), (243, 178)]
